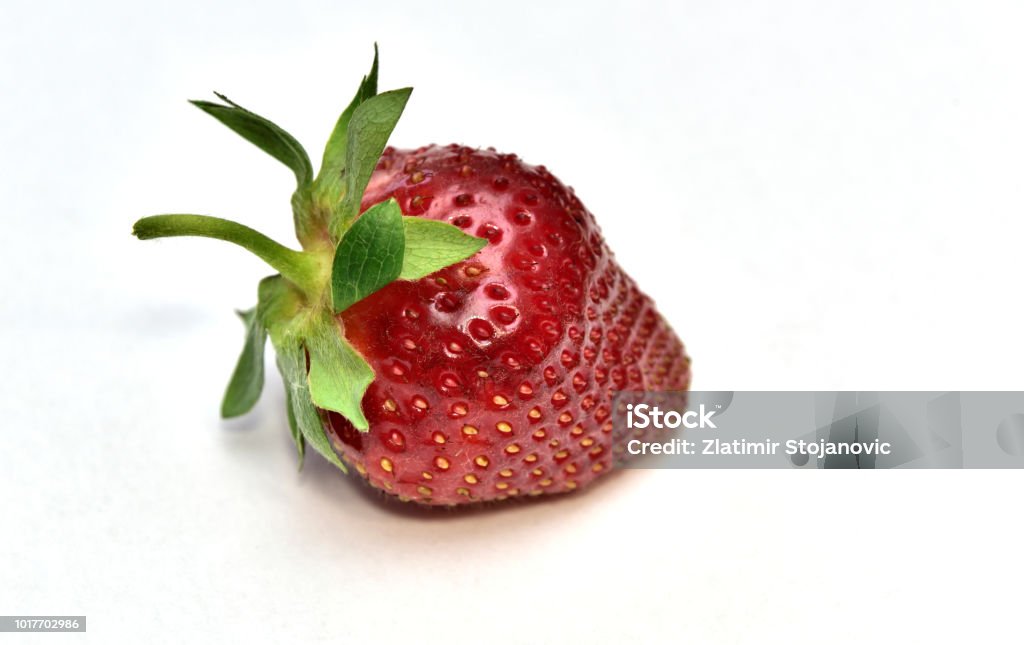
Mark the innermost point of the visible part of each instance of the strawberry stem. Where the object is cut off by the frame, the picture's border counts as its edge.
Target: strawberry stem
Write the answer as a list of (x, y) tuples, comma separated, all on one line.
[(301, 269)]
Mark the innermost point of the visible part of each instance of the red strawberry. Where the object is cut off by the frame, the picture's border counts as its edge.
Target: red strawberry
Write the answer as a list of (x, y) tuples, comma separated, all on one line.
[(466, 352), (495, 375)]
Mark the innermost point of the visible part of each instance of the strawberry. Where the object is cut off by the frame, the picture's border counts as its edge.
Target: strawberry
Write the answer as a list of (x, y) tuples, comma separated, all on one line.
[(455, 325)]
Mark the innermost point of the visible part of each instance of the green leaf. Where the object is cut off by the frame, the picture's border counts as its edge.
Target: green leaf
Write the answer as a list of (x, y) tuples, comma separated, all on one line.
[(431, 246), (247, 380), (367, 133), (291, 360), (297, 437), (264, 134), (369, 256), (278, 301), (338, 375), (329, 184)]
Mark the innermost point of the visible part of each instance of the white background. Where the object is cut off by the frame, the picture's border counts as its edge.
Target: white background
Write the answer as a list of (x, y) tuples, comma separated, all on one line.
[(820, 195)]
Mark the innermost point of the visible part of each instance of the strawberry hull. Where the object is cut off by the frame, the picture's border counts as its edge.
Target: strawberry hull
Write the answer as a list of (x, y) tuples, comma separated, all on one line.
[(494, 376)]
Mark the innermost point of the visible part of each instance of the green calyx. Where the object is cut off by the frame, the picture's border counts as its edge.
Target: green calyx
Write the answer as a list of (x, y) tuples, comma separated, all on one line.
[(344, 258)]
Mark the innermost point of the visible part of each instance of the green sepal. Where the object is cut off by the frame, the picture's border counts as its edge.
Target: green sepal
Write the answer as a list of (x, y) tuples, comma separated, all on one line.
[(264, 134), (431, 246), (277, 303), (291, 361), (246, 382), (328, 187), (297, 437), (368, 130), (369, 256), (281, 306), (338, 375), (320, 368)]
